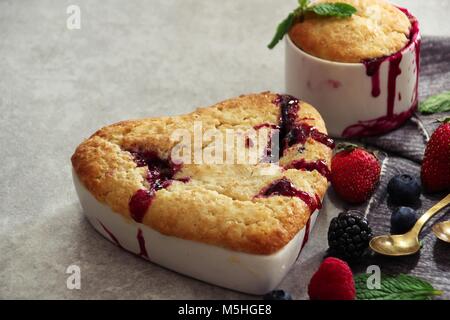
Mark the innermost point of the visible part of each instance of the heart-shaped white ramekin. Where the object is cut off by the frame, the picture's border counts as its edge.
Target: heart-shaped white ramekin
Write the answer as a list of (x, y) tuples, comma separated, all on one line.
[(249, 273), (358, 99)]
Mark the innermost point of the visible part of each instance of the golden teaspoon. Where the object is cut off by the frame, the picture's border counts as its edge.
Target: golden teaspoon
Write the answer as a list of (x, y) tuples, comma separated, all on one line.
[(408, 243), (442, 231)]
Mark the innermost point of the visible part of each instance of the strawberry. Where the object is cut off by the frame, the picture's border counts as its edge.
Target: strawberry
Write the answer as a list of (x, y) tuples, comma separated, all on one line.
[(333, 281), (436, 163), (355, 173)]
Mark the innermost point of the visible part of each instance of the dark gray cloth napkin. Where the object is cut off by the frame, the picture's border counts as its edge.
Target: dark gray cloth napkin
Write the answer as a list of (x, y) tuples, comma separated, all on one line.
[(402, 152)]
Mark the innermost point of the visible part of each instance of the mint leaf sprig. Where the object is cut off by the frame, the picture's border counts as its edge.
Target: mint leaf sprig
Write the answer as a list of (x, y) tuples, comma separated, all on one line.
[(437, 103), (401, 287), (338, 9)]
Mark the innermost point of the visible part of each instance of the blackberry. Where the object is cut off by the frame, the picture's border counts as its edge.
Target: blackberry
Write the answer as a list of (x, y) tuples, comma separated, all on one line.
[(349, 235)]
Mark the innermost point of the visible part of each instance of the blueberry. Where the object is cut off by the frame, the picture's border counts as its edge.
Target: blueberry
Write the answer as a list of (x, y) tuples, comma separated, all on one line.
[(404, 189), (402, 220), (277, 295)]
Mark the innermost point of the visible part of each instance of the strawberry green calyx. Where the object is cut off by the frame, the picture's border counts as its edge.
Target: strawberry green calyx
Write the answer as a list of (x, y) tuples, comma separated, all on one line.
[(349, 147), (345, 146)]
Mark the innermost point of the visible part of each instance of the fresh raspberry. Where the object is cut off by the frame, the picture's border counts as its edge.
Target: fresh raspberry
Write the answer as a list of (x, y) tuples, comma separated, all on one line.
[(333, 281)]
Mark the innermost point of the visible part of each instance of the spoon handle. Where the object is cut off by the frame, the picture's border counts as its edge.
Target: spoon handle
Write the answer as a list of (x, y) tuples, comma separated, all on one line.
[(430, 213)]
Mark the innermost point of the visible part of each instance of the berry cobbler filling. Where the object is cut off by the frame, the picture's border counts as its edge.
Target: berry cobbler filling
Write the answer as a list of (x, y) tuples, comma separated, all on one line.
[(160, 176), (284, 187), (293, 132), (161, 172), (139, 203), (318, 165), (301, 132)]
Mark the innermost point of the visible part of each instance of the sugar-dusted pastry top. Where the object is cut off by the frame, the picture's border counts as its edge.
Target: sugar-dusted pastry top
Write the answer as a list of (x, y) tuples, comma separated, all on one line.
[(377, 29), (241, 207)]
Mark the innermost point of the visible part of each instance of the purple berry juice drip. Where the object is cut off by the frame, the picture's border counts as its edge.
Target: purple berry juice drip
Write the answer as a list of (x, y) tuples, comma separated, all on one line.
[(306, 237), (319, 165), (140, 237), (142, 249), (414, 38), (394, 72), (391, 120), (301, 132), (284, 187), (289, 107), (111, 235), (373, 71), (248, 143)]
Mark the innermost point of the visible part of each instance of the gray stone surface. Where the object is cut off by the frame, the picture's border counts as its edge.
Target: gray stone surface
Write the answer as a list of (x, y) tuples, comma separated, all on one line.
[(130, 59)]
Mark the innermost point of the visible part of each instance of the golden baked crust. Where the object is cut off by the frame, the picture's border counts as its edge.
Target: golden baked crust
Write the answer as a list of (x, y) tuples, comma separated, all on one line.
[(219, 205), (378, 29)]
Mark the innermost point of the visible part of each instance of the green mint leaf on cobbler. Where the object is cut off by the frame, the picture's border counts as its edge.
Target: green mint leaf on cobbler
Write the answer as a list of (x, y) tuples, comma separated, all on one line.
[(437, 103), (282, 29), (401, 287), (303, 3), (341, 10)]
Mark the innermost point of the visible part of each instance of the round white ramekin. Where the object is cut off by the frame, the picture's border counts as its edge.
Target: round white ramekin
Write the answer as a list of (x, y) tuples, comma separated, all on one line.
[(342, 92), (249, 273)]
